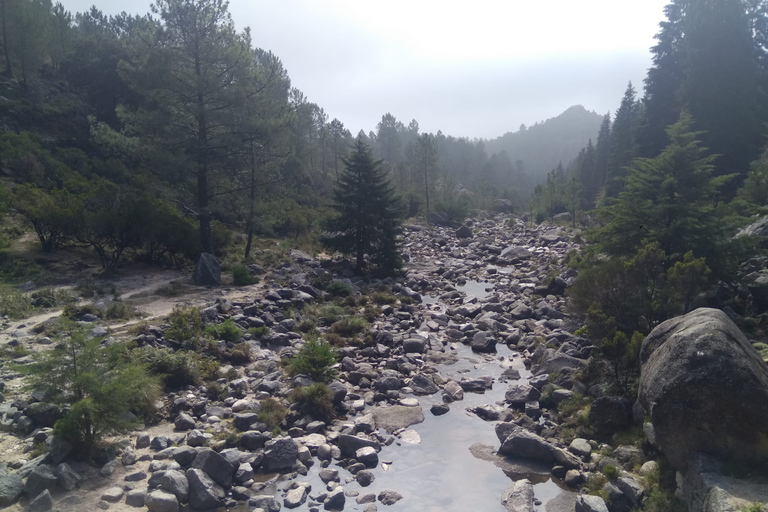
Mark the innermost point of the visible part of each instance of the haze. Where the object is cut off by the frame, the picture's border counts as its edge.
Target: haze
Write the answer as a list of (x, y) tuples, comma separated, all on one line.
[(475, 69)]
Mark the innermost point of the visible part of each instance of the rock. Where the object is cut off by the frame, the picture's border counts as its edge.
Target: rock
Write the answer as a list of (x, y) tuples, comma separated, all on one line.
[(204, 493), (396, 417), (136, 476), (253, 440), (483, 342), (184, 422), (611, 413), (295, 497), (197, 438), (519, 394), (264, 503), (215, 466), (335, 500), (58, 449), (112, 495), (464, 232), (43, 477), (11, 486), (109, 468), (705, 389), (160, 501), (207, 271), (350, 444), (280, 454), (329, 475), (590, 504), (649, 468), (389, 497), (439, 409), (518, 497), (423, 385), (42, 502), (43, 414), (580, 447), (367, 455), (415, 345), (365, 478), (68, 478), (136, 498), (573, 477), (176, 483), (142, 441), (521, 443), (452, 392)]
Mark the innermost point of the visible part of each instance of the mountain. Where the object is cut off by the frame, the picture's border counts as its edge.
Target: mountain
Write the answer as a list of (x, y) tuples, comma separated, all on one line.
[(544, 145)]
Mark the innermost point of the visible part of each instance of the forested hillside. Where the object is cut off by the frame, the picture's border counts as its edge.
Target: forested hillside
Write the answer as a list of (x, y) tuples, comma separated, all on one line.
[(177, 119)]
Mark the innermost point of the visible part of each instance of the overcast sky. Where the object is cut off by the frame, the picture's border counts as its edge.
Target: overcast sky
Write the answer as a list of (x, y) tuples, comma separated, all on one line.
[(474, 68)]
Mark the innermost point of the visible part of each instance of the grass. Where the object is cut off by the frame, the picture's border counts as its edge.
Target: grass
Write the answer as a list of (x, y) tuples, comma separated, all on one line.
[(121, 311), (350, 326), (316, 400), (258, 331), (186, 324), (753, 507), (227, 331), (177, 369), (15, 305), (172, 289), (382, 298), (272, 413)]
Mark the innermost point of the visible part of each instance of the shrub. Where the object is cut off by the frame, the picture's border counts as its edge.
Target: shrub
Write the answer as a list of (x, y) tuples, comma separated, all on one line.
[(382, 298), (271, 413), (315, 359), (241, 354), (227, 331), (316, 400), (258, 331), (611, 472), (186, 324), (75, 312), (306, 325), (338, 289), (241, 276), (172, 289), (99, 386), (329, 313), (120, 310), (350, 326), (15, 305), (177, 369)]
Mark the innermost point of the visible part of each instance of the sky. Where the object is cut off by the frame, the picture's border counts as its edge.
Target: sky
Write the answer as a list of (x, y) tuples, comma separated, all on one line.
[(474, 69)]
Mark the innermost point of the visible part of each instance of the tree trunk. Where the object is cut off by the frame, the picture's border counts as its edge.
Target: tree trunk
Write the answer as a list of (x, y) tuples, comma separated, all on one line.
[(252, 204), (204, 216)]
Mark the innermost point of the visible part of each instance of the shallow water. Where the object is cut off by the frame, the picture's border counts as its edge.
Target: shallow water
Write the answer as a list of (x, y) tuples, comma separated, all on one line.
[(475, 289), (440, 473)]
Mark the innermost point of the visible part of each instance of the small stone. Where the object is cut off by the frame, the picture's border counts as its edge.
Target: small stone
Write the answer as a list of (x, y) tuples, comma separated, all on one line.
[(112, 495), (439, 409), (389, 497), (365, 478)]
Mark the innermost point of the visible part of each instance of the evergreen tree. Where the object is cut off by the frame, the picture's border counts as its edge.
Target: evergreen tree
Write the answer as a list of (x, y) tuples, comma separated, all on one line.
[(602, 149), (622, 146), (669, 199), (368, 220)]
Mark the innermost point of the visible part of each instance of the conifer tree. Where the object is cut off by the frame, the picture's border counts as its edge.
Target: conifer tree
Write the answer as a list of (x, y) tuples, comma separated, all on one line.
[(368, 220), (622, 147)]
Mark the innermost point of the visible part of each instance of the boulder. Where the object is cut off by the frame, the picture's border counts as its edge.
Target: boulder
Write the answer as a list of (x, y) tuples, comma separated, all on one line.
[(396, 417), (452, 392), (42, 502), (389, 497), (207, 271), (204, 493), (335, 500), (349, 444), (464, 232), (423, 385), (519, 394), (160, 501), (43, 477), (521, 443), (705, 389), (590, 504), (295, 497), (518, 497), (280, 454), (10, 486), (215, 466), (483, 342), (176, 483)]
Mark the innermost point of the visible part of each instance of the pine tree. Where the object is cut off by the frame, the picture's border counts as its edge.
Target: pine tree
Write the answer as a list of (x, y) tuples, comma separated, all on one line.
[(669, 199), (622, 147), (368, 220)]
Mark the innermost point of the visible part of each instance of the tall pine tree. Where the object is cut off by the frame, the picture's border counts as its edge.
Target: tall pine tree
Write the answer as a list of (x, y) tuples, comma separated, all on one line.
[(368, 220)]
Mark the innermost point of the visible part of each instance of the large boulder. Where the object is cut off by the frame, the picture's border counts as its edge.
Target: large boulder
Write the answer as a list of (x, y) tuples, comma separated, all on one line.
[(397, 416), (518, 497), (10, 486), (207, 271), (705, 389), (280, 454)]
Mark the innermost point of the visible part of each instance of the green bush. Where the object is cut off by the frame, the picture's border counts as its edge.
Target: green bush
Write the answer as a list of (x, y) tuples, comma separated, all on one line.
[(315, 359), (99, 386), (316, 400), (611, 472), (338, 289), (120, 311), (177, 369), (382, 298), (186, 324), (306, 325), (350, 326), (227, 331), (258, 331), (271, 413), (241, 276), (15, 305)]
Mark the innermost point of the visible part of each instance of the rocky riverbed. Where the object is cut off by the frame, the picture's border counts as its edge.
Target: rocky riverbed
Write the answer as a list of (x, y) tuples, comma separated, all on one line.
[(450, 405)]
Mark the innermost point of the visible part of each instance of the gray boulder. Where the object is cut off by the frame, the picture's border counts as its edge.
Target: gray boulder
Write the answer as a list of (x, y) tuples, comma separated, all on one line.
[(42, 502), (335, 500), (349, 444), (483, 342), (590, 504), (464, 232), (215, 466), (423, 385), (518, 497), (705, 389), (10, 486), (397, 417), (42, 478), (521, 443), (160, 501), (519, 394), (207, 271), (176, 483), (204, 493), (280, 454), (295, 497)]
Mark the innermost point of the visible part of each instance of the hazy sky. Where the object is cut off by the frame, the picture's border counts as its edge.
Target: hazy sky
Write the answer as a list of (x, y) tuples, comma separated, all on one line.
[(475, 68)]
